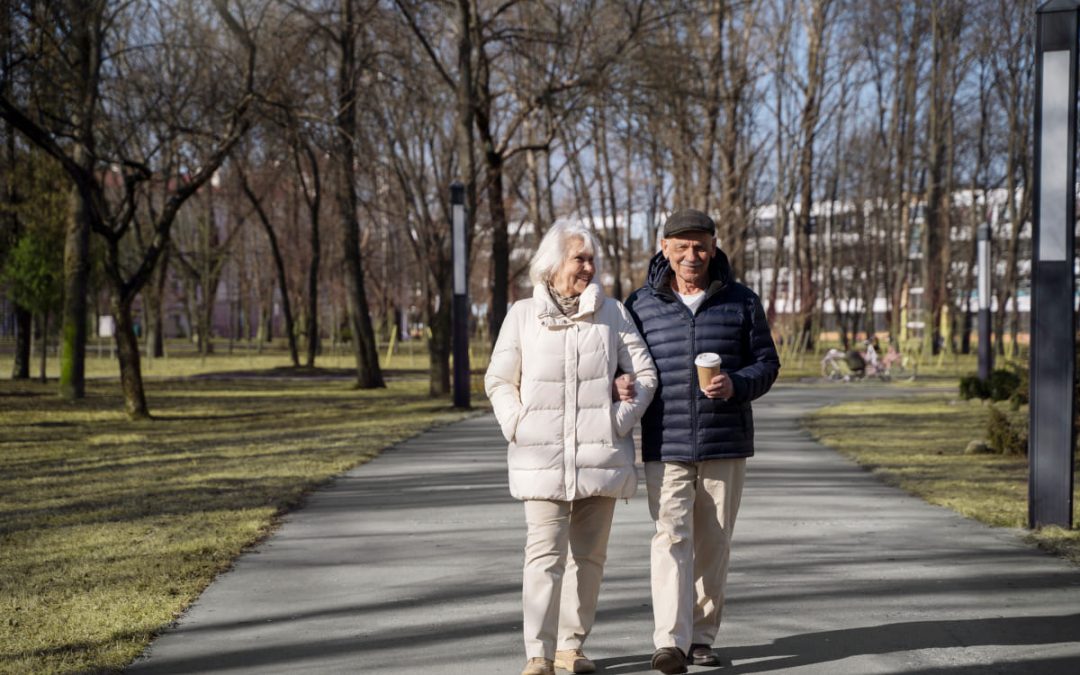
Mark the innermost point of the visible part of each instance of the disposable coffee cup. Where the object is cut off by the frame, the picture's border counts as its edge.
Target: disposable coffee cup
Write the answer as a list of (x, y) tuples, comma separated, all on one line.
[(708, 367)]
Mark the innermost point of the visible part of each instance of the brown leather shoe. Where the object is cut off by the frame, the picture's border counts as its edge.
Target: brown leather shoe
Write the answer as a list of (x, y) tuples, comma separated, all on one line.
[(539, 666), (702, 655), (574, 660), (669, 660)]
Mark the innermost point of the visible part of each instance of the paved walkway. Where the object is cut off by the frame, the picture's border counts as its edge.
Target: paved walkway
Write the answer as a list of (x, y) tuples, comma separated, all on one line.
[(411, 564)]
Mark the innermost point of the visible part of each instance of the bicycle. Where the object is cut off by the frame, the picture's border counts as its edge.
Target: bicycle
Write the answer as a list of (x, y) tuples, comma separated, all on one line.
[(857, 365)]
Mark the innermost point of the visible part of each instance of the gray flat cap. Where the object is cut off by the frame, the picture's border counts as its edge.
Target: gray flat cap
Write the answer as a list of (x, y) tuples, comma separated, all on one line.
[(688, 220)]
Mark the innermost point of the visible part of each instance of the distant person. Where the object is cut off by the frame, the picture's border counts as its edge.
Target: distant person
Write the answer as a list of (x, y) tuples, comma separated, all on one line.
[(697, 433), (871, 354), (856, 362), (571, 453), (892, 354)]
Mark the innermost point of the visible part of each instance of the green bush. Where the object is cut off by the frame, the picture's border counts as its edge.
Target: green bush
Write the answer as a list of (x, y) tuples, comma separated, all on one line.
[(972, 387), (1004, 436), (1020, 395), (1002, 384)]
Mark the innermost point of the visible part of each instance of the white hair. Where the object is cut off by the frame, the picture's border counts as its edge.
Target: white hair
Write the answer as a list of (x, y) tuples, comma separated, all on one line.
[(551, 253)]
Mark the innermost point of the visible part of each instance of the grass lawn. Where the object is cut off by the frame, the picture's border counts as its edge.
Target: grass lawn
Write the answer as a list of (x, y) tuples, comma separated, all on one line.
[(918, 444), (110, 528)]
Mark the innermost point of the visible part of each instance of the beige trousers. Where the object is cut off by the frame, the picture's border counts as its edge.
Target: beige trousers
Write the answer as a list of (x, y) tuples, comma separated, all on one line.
[(559, 591), (694, 507)]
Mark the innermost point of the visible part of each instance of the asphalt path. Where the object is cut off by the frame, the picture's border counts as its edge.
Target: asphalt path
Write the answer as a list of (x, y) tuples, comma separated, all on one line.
[(411, 563)]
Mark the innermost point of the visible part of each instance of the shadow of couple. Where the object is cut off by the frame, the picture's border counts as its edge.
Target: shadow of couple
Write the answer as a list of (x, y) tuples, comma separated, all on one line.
[(809, 649)]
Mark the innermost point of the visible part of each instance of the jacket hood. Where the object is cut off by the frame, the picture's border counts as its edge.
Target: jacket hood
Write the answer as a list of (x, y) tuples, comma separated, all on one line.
[(660, 272)]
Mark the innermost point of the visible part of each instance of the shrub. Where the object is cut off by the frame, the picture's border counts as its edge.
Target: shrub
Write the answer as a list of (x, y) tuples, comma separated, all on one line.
[(1020, 395), (1004, 436), (972, 387), (1002, 384)]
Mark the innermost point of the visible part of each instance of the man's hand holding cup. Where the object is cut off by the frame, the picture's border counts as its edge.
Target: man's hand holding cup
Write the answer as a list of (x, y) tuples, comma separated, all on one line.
[(712, 381)]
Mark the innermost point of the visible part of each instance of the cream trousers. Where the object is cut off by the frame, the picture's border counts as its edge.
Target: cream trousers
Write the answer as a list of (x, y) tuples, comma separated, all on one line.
[(694, 505), (559, 591)]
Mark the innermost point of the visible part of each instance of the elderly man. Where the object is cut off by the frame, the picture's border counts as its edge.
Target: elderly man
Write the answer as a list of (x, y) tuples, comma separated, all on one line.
[(695, 439)]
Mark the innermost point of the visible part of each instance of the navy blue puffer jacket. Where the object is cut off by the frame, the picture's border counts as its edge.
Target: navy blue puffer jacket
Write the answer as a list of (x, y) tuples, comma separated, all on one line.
[(682, 424)]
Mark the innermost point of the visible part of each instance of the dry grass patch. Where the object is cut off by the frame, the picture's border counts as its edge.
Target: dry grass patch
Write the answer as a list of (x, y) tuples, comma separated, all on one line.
[(917, 443), (110, 528)]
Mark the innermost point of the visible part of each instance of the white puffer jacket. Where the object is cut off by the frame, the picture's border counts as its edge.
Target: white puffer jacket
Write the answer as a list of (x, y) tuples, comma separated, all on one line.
[(549, 382)]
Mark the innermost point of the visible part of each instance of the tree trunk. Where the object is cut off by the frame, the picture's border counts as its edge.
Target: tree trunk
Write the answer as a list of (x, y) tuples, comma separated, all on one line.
[(24, 330), (811, 110), (311, 327), (206, 316), (781, 202), (127, 349), (500, 241), (73, 317), (314, 200), (931, 244), (44, 344), (89, 50), (368, 373), (439, 344), (266, 326), (532, 172), (155, 336), (608, 179), (286, 306)]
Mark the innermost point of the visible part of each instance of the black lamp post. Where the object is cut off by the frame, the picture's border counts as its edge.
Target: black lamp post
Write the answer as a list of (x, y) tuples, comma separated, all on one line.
[(460, 333), (1053, 323)]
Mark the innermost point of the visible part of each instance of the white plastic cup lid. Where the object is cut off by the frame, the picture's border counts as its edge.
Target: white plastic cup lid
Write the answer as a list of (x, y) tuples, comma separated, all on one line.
[(707, 360)]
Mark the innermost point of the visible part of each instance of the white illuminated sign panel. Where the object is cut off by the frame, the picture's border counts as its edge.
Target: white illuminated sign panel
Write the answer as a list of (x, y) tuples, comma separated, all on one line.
[(984, 274), (459, 249), (1054, 192)]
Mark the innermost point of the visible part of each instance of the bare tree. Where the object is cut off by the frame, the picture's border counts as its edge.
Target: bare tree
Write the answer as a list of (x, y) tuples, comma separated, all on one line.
[(10, 228), (176, 93), (896, 60), (817, 21), (946, 23), (202, 246), (1013, 67), (348, 28), (276, 253), (73, 63), (421, 154), (580, 42)]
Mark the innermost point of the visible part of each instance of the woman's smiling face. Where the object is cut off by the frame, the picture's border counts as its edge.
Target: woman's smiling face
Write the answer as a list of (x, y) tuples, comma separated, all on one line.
[(576, 271)]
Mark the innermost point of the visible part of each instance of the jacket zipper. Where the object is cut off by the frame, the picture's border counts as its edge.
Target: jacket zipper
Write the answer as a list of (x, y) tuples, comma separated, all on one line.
[(693, 370), (693, 385)]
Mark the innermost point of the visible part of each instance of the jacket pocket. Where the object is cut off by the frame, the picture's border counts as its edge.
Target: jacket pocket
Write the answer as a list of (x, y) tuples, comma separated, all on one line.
[(509, 427)]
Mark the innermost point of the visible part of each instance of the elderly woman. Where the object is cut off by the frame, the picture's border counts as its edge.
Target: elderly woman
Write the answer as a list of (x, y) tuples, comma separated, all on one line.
[(571, 453)]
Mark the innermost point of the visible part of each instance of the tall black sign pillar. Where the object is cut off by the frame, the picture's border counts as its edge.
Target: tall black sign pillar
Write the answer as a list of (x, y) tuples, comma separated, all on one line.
[(1051, 436), (460, 313), (986, 354)]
